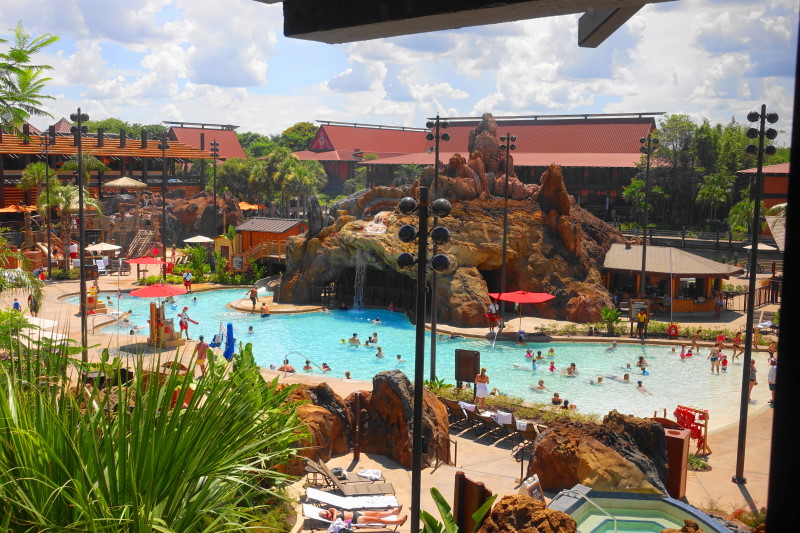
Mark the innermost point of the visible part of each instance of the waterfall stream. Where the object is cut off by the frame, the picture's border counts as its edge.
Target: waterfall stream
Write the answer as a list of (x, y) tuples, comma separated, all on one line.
[(361, 274)]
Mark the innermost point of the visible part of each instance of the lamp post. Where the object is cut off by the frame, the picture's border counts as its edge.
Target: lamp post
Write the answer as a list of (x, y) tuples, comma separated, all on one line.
[(436, 125), (649, 145), (46, 141), (78, 131), (439, 263), (215, 155), (163, 146), (509, 140), (755, 194)]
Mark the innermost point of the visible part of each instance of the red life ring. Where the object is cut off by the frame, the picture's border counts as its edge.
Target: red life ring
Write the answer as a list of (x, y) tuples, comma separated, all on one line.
[(672, 330)]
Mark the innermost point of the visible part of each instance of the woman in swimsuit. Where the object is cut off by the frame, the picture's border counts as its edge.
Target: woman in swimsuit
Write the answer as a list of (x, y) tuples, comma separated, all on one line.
[(737, 345), (713, 355), (481, 388), (695, 338), (365, 517)]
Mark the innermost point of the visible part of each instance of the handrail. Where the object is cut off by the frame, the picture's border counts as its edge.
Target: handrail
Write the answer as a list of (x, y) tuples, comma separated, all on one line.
[(575, 493)]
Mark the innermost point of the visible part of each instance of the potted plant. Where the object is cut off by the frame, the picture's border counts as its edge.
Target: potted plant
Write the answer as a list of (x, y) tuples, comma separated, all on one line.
[(610, 317)]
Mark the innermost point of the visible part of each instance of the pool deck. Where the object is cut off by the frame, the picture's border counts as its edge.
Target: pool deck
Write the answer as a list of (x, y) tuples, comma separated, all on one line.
[(479, 459)]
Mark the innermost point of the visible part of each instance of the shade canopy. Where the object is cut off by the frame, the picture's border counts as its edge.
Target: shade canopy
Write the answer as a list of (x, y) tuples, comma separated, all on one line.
[(125, 183), (103, 247), (146, 261), (198, 239), (665, 261), (761, 246), (158, 290), (522, 297), (246, 206)]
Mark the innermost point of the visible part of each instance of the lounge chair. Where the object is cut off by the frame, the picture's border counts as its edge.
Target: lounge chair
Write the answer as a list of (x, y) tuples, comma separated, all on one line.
[(457, 414), (313, 514), (313, 468), (355, 489), (490, 425), (527, 432), (101, 266), (352, 502)]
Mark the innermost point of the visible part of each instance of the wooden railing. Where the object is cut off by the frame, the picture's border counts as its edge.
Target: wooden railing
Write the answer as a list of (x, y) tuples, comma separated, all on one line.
[(769, 294), (141, 243)]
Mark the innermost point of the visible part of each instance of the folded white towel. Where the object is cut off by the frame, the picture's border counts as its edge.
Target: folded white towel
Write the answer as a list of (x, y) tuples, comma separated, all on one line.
[(467, 406), (522, 425), (370, 473), (503, 418)]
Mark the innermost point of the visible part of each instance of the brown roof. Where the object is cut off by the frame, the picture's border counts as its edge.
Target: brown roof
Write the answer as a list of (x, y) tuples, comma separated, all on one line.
[(595, 142), (63, 126), (666, 260), (529, 159), (778, 168), (229, 147), (269, 225), (12, 144)]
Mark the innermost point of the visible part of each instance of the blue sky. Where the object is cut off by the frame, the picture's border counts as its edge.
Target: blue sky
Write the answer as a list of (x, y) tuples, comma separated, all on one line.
[(207, 61)]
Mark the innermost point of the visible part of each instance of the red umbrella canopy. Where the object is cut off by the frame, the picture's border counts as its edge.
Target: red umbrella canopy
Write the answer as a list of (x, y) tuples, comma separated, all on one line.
[(146, 261), (158, 290), (522, 297)]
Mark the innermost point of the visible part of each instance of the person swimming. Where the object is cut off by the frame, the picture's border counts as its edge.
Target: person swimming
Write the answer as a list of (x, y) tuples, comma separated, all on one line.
[(539, 387), (552, 366), (250, 330), (307, 367), (400, 359), (551, 352), (529, 353), (377, 321), (379, 353), (612, 347), (326, 368), (598, 382)]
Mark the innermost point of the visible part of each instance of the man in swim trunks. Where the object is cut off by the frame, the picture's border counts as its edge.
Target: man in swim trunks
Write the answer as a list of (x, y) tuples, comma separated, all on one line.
[(354, 340), (183, 321), (253, 292), (286, 367), (264, 310)]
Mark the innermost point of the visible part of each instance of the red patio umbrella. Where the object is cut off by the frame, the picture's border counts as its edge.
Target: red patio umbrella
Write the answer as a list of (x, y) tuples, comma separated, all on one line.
[(522, 297), (158, 290)]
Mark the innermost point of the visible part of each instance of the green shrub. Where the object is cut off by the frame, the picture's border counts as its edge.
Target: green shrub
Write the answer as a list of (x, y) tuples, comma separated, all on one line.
[(568, 330), (698, 464), (58, 274)]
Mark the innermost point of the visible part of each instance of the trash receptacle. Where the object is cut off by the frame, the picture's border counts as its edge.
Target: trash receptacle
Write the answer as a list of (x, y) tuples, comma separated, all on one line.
[(678, 442)]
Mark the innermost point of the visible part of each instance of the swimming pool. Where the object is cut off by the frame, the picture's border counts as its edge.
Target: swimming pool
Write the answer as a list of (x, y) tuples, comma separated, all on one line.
[(317, 337)]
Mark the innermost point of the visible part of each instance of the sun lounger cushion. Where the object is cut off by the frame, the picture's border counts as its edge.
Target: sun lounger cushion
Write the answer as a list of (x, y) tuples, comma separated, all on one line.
[(522, 425), (352, 502), (371, 474)]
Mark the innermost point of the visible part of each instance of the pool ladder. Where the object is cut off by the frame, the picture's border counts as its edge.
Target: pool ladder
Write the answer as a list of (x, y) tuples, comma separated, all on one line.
[(575, 494)]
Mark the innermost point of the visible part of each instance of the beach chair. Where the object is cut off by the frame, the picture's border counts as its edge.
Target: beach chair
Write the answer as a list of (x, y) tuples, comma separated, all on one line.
[(490, 425), (313, 514), (527, 432), (457, 414), (101, 266), (350, 503), (355, 489), (316, 470)]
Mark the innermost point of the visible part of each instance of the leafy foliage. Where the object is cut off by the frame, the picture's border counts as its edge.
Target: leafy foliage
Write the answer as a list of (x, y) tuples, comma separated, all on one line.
[(611, 316), (448, 523)]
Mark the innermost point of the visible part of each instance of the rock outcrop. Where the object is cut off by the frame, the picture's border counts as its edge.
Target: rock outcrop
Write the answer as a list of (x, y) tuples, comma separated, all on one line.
[(606, 456), (389, 419), (554, 246), (689, 526), (523, 514)]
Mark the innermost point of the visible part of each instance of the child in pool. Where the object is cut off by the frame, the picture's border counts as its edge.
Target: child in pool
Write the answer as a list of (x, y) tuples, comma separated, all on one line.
[(539, 387), (326, 368), (307, 367), (250, 330), (552, 366), (551, 352), (612, 347), (598, 382), (529, 353), (724, 362)]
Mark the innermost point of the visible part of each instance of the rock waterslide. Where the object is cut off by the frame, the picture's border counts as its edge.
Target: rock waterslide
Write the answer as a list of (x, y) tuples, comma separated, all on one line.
[(554, 246)]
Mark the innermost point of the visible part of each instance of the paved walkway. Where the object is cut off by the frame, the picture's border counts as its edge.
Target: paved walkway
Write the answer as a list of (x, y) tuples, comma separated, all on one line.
[(483, 461)]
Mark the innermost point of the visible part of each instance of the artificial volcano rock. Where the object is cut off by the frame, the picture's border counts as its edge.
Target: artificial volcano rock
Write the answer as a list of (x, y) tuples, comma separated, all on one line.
[(554, 246), (626, 454), (523, 514), (195, 216)]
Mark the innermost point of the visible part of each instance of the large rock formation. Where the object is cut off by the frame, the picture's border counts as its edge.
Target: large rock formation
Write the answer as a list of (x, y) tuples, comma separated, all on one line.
[(523, 514), (554, 246), (625, 454), (386, 421)]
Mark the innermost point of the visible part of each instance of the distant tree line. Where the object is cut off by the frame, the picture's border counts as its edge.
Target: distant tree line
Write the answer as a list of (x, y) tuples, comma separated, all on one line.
[(693, 180)]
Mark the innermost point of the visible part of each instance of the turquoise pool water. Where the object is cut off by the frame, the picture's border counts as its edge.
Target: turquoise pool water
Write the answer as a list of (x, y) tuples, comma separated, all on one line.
[(316, 336)]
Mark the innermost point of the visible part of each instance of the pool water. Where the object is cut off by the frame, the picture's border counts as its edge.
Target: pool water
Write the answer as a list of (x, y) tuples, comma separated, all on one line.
[(317, 337), (628, 521)]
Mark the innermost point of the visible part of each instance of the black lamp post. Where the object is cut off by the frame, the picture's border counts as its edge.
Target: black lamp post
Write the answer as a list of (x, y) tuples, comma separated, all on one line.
[(78, 131), (215, 155), (163, 146), (755, 194), (649, 145), (439, 263), (509, 140), (46, 141), (436, 134)]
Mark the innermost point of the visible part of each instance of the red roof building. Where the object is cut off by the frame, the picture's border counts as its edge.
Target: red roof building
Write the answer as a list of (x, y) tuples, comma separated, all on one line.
[(202, 137), (598, 153)]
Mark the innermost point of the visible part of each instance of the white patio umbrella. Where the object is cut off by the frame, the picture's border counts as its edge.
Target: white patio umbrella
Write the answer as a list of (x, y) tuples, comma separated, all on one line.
[(198, 239), (761, 246), (103, 247)]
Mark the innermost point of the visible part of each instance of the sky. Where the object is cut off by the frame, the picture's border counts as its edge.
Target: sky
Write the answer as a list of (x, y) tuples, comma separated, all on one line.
[(228, 62)]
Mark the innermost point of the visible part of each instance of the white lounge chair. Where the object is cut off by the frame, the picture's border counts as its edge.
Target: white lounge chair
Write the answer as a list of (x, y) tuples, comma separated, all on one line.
[(313, 513), (350, 503), (101, 266)]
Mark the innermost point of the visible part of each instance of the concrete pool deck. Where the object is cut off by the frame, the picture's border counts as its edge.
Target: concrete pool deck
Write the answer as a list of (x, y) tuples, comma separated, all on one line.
[(483, 461)]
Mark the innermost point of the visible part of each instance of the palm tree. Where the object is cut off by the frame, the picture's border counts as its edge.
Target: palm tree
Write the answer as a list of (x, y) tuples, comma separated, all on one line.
[(33, 177), (90, 164), (64, 198), (306, 178), (406, 174), (21, 83), (15, 279)]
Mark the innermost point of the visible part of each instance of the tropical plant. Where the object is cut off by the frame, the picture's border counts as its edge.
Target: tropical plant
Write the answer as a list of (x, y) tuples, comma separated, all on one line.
[(406, 174), (437, 386), (610, 316), (448, 523), (73, 460), (716, 191), (197, 261), (33, 176), (740, 217), (89, 162), (16, 279), (65, 198), (21, 81)]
